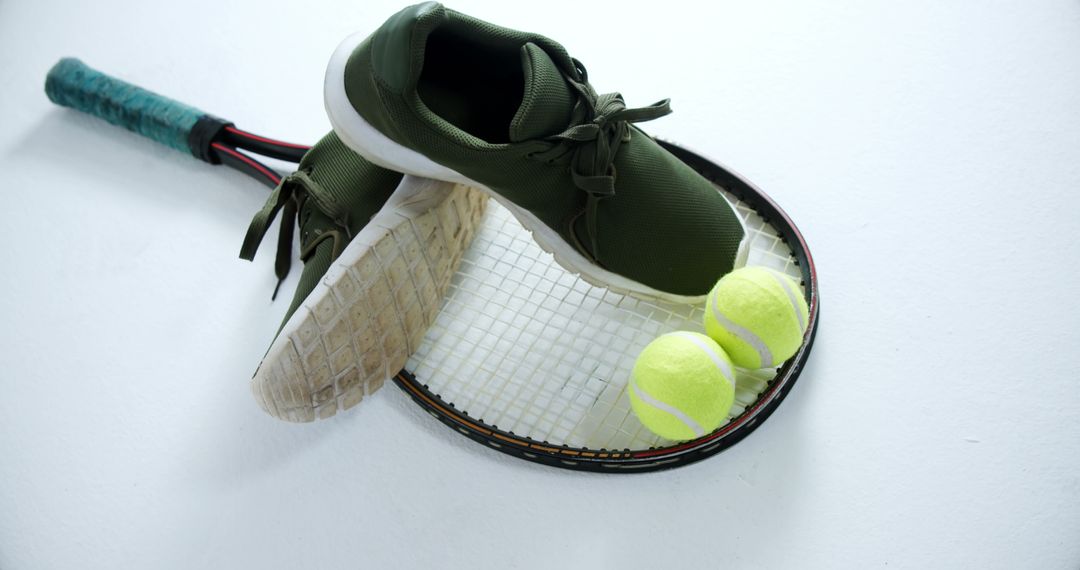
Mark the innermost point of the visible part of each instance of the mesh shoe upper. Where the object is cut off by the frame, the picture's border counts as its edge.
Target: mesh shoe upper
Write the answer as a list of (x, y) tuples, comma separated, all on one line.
[(513, 111), (330, 198)]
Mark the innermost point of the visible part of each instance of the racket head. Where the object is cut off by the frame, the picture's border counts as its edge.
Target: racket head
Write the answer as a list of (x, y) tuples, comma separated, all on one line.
[(469, 376)]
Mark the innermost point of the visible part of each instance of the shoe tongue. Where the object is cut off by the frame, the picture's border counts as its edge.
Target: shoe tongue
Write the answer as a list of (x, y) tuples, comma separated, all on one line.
[(548, 101)]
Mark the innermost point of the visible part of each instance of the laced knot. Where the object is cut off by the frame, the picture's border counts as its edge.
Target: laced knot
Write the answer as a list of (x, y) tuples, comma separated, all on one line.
[(600, 124), (294, 196)]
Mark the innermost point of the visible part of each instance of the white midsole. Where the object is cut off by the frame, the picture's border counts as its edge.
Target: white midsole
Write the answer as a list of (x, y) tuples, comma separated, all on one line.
[(376, 147)]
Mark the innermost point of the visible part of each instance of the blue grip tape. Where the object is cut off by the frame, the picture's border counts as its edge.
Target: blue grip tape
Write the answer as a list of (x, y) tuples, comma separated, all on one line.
[(72, 84)]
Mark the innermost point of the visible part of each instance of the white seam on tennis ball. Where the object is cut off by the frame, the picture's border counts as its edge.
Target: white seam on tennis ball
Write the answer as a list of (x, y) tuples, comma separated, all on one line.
[(791, 297), (744, 335), (664, 407), (720, 363)]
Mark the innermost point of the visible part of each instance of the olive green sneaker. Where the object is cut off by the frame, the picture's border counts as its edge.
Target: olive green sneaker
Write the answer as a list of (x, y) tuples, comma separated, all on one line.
[(439, 94), (379, 250)]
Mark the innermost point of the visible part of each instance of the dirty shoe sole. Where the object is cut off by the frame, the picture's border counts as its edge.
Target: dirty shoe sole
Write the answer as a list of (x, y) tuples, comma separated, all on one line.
[(359, 325)]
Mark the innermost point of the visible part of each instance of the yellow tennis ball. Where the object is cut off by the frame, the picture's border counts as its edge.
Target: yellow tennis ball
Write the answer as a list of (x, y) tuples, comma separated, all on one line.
[(757, 315), (683, 386)]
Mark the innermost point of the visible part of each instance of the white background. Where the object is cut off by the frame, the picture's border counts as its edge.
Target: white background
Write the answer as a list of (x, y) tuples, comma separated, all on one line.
[(929, 150)]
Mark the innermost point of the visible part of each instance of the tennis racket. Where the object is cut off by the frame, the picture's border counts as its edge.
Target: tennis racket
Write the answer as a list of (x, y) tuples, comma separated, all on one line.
[(523, 357)]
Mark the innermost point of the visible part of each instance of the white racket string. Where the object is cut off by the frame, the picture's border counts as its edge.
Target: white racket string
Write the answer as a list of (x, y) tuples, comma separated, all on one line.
[(525, 346)]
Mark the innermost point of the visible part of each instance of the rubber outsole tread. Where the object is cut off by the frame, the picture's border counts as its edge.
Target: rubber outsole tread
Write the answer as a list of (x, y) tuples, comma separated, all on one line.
[(359, 326)]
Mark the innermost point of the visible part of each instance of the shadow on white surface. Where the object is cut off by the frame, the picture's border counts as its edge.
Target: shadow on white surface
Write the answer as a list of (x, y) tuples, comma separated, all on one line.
[(134, 166)]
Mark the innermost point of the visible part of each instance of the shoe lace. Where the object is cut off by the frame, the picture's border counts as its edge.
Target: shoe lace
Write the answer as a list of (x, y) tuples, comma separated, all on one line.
[(294, 196), (600, 125)]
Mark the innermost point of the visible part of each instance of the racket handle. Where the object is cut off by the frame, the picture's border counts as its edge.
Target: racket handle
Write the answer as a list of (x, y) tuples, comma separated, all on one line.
[(72, 83)]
